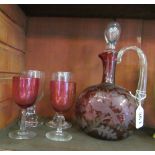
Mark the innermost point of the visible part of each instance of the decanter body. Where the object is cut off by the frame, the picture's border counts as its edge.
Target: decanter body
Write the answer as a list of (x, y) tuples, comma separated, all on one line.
[(108, 111)]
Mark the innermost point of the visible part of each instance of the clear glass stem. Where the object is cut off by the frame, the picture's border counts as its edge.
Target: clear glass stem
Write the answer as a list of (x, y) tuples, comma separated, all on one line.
[(60, 123), (31, 110), (23, 119), (55, 115)]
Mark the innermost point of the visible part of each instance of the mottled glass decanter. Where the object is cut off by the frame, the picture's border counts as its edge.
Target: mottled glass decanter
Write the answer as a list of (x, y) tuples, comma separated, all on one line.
[(108, 111)]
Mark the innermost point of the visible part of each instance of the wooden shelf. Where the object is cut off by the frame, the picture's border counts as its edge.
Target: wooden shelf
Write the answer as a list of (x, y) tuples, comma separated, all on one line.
[(140, 140), (141, 11)]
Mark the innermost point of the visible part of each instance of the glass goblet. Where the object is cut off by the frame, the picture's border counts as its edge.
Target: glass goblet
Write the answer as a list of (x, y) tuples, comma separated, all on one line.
[(54, 122), (62, 98), (24, 91), (32, 119)]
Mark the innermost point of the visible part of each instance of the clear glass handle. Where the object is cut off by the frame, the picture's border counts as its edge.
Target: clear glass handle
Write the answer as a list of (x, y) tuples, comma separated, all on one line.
[(141, 89)]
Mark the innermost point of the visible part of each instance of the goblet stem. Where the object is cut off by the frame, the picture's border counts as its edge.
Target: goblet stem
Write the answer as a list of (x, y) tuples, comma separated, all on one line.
[(54, 122), (32, 109), (56, 115), (32, 119), (60, 121), (23, 119)]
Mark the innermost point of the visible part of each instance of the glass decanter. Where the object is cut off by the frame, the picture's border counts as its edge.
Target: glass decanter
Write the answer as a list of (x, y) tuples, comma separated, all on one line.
[(108, 111)]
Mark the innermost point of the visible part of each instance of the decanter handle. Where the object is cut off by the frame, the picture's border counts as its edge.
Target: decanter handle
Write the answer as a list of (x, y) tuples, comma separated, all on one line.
[(141, 89)]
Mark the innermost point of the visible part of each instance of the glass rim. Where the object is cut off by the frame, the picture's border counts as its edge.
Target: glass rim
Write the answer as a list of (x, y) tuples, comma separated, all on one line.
[(64, 72), (24, 77), (62, 76), (62, 81), (33, 73), (34, 70), (31, 70)]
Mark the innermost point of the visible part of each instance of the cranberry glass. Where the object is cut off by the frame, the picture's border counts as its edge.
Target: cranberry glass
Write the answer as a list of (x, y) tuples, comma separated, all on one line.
[(107, 111), (24, 91), (62, 94), (62, 98), (54, 122)]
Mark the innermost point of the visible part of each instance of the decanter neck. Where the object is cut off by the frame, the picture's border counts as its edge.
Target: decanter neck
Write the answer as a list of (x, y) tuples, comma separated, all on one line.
[(109, 59)]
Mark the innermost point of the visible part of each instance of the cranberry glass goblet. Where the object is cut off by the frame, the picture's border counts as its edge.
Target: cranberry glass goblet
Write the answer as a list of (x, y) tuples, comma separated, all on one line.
[(62, 97), (24, 91)]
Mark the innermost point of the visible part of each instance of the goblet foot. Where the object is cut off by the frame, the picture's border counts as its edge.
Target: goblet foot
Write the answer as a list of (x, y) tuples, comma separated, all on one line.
[(59, 136), (54, 124), (17, 134)]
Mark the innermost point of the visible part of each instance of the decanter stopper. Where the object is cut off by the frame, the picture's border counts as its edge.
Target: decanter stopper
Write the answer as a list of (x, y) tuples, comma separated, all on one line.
[(112, 34)]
